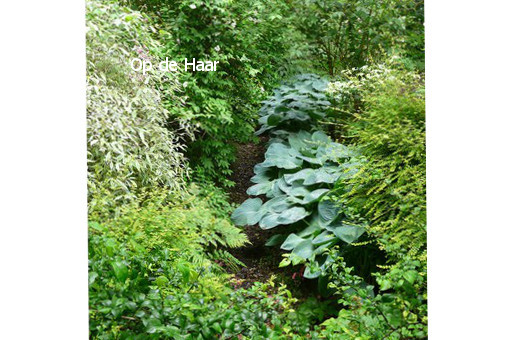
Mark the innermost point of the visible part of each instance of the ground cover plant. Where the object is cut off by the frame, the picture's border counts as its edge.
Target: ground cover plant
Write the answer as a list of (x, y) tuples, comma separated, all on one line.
[(327, 98)]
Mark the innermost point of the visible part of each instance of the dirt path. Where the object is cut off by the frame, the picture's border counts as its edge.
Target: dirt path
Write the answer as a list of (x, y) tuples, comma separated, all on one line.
[(261, 261)]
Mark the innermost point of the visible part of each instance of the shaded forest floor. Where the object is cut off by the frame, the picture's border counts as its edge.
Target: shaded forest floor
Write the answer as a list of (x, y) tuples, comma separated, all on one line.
[(261, 261)]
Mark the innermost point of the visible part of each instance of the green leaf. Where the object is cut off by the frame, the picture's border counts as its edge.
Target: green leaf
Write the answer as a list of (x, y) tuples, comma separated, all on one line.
[(291, 242), (292, 215), (314, 195), (275, 240), (120, 271), (248, 213), (304, 249), (325, 236), (260, 189), (349, 233), (328, 210), (269, 221), (161, 281)]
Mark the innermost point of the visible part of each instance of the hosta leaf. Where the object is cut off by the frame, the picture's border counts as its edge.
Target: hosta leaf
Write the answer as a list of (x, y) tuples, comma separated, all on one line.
[(299, 191), (321, 176), (275, 240), (299, 175), (292, 215), (274, 119), (311, 229), (297, 140), (304, 249), (349, 233), (248, 213), (281, 156), (260, 189), (328, 210), (277, 204), (325, 236), (269, 221), (321, 137), (314, 195), (291, 242)]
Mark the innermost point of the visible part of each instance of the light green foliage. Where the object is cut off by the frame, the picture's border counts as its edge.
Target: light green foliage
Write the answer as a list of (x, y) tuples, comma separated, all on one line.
[(151, 275), (188, 223), (390, 188), (389, 192), (128, 145), (353, 33)]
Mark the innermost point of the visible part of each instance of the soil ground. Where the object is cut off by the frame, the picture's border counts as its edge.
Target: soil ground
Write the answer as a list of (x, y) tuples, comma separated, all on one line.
[(261, 261)]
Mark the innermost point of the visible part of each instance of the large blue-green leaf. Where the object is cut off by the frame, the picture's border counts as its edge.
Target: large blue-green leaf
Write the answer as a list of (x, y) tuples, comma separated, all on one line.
[(328, 210), (281, 156), (248, 213), (349, 233), (269, 221), (292, 215), (260, 189), (291, 242), (314, 195), (324, 237), (304, 249)]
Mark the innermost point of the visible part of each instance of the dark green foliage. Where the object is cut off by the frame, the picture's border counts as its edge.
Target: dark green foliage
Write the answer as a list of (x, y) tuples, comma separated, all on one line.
[(248, 38), (159, 294), (399, 311), (353, 33)]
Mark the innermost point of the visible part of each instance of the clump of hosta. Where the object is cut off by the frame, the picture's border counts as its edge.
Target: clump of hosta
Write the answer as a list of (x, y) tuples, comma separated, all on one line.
[(296, 104), (298, 173), (128, 143)]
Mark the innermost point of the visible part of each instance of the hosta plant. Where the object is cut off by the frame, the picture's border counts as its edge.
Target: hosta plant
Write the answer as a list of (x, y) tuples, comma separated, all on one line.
[(296, 104), (296, 178)]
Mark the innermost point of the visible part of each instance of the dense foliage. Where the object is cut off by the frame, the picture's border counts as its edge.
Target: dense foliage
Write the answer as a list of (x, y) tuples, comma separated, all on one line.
[(248, 38), (340, 93), (128, 145)]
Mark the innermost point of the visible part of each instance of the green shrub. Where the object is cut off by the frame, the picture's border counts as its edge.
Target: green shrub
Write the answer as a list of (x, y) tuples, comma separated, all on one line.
[(248, 38), (398, 311), (128, 144), (160, 294), (388, 191), (353, 33)]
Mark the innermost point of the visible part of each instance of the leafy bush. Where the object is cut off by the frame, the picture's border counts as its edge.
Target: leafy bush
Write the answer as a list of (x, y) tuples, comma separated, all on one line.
[(128, 144), (354, 33), (388, 191), (155, 294), (399, 311), (248, 38)]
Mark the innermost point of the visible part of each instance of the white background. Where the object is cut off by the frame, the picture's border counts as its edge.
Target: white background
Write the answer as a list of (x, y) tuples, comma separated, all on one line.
[(43, 240)]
